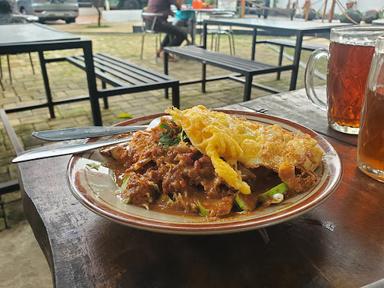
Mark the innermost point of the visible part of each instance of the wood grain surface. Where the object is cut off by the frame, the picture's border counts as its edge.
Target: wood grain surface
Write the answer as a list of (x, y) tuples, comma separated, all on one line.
[(338, 244)]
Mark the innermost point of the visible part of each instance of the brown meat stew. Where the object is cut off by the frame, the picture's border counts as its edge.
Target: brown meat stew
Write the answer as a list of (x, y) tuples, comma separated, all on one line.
[(161, 170)]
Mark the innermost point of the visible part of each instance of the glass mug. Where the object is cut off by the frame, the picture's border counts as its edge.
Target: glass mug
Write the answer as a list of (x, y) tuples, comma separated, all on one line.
[(349, 59), (370, 148)]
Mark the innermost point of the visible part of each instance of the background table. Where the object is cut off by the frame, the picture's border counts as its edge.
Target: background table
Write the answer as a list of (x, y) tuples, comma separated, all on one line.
[(24, 38), (198, 17), (297, 28), (338, 244)]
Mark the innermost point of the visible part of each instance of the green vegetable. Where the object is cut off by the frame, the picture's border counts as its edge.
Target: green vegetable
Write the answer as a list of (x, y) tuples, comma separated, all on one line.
[(282, 188), (246, 202), (202, 210), (124, 184), (183, 136), (95, 166), (164, 126), (167, 138)]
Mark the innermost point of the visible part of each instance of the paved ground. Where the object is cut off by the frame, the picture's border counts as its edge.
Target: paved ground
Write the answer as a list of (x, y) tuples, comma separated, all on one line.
[(67, 81)]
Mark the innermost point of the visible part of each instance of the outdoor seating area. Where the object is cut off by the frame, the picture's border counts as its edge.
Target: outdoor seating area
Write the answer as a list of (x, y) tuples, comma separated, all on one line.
[(130, 160)]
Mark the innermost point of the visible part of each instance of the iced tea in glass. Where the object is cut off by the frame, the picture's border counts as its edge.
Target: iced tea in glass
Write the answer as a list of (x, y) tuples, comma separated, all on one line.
[(370, 156), (349, 59)]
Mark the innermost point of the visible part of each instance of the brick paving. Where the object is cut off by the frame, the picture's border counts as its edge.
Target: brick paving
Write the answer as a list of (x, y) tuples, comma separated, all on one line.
[(68, 81)]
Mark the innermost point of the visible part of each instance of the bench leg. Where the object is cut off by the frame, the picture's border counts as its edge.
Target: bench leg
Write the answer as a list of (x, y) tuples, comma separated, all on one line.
[(48, 93), (230, 44), (1, 76), (157, 45), (3, 214), (30, 61), (94, 94), (248, 87), (176, 95), (105, 98), (281, 53), (233, 39), (254, 38), (166, 58), (204, 77), (9, 70)]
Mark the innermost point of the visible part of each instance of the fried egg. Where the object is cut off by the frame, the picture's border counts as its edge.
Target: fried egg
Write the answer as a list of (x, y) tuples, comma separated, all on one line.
[(229, 140)]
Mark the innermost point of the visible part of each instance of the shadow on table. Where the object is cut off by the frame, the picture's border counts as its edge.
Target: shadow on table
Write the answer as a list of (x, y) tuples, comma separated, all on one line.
[(147, 259)]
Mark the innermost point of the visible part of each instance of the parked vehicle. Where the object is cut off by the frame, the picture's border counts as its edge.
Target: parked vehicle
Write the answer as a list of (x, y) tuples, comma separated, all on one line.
[(127, 4), (85, 3), (66, 10)]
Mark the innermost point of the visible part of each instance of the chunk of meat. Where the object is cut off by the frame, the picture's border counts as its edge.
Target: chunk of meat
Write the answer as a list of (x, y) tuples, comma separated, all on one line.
[(117, 152), (298, 180), (140, 191), (219, 207)]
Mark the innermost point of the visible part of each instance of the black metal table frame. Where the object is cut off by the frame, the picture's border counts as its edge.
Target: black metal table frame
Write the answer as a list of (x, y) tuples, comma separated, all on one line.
[(298, 33), (40, 48)]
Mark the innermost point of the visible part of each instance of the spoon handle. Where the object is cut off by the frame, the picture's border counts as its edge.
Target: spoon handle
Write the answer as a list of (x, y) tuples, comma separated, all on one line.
[(84, 132)]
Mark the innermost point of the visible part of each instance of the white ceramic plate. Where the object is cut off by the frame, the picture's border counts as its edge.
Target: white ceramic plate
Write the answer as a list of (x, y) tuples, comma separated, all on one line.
[(95, 190)]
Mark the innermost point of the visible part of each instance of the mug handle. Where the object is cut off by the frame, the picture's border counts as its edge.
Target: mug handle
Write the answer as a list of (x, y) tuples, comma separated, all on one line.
[(309, 76)]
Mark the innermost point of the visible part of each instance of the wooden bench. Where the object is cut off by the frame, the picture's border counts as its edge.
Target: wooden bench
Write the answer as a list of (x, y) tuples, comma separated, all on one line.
[(246, 68), (126, 78), (282, 43)]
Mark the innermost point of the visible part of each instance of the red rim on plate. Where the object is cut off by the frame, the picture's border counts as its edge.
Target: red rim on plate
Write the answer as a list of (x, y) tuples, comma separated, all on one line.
[(86, 190)]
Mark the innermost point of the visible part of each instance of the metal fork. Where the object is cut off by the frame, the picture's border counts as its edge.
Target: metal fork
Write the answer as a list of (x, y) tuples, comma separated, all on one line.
[(258, 110)]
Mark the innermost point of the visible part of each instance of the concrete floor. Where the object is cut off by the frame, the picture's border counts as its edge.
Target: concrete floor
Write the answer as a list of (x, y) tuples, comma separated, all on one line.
[(22, 263)]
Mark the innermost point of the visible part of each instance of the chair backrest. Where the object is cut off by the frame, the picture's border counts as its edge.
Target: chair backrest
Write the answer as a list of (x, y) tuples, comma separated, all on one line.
[(149, 21), (228, 5), (223, 14)]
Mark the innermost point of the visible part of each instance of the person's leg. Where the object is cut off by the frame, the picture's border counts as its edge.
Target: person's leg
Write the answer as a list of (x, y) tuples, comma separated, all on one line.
[(185, 26), (165, 41), (159, 27), (162, 27), (178, 35), (266, 11)]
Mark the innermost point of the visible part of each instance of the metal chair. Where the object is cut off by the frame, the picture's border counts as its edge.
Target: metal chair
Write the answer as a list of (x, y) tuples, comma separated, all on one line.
[(149, 28), (216, 33)]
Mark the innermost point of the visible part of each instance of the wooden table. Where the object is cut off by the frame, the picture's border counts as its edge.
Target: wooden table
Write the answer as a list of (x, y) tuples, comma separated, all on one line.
[(338, 244), (297, 28)]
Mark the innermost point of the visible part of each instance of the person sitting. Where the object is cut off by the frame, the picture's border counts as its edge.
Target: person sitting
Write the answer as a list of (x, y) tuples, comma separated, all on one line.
[(184, 18), (174, 35)]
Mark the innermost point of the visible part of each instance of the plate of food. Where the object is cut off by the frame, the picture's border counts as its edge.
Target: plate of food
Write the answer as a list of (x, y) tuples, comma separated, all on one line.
[(199, 171)]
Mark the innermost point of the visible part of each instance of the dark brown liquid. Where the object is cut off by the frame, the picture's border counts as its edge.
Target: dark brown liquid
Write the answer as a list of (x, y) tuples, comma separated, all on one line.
[(371, 135), (348, 69)]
